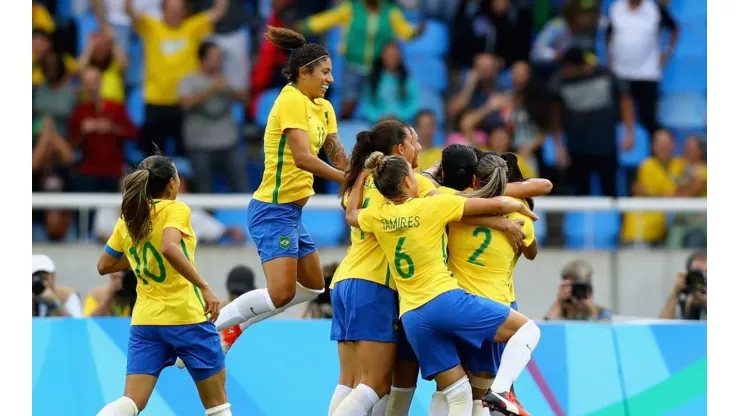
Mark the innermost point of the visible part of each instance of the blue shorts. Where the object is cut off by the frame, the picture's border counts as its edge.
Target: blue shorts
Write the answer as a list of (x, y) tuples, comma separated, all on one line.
[(364, 311), (435, 328), (487, 358), (151, 348), (277, 230)]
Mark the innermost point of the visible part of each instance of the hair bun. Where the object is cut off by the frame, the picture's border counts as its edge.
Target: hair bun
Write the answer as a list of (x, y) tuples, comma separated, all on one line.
[(375, 161)]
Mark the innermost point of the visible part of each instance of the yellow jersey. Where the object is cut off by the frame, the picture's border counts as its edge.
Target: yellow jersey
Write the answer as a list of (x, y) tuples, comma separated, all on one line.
[(282, 181), (482, 260), (170, 54), (365, 259), (164, 296), (413, 238)]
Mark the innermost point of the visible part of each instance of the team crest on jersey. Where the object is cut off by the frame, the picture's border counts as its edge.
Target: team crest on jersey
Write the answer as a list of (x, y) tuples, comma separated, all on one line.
[(284, 242)]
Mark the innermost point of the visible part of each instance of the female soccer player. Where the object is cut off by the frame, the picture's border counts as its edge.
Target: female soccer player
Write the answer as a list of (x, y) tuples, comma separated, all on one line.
[(300, 124), (173, 301), (482, 262), (363, 295), (410, 230)]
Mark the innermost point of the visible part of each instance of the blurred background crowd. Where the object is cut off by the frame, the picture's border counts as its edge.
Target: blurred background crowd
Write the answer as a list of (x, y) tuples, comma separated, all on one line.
[(604, 98)]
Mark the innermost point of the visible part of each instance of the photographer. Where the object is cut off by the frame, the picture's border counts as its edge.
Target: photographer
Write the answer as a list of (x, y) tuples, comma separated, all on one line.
[(575, 296), (239, 281), (117, 298), (320, 308), (48, 299), (688, 299)]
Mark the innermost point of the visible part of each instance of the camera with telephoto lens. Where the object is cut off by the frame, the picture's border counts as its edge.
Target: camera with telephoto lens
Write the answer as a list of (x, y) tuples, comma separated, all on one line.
[(696, 281), (38, 284), (580, 290)]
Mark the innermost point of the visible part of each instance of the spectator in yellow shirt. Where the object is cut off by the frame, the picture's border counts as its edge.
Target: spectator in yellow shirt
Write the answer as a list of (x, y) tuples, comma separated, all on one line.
[(41, 19), (170, 54), (426, 128), (117, 298), (657, 176), (103, 54), (694, 180)]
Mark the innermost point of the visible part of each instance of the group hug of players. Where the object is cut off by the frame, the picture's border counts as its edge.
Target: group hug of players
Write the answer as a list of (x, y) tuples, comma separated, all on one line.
[(426, 285)]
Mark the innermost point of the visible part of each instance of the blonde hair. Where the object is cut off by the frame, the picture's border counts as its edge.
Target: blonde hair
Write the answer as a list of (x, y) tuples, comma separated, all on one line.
[(491, 172)]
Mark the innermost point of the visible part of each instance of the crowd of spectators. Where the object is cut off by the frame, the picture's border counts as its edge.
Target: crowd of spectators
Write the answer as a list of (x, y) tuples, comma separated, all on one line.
[(572, 86)]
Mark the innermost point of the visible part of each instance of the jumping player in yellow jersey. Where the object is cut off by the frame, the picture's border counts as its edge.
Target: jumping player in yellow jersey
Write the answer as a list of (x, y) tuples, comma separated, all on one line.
[(300, 124), (363, 294), (409, 230), (170, 318), (482, 261)]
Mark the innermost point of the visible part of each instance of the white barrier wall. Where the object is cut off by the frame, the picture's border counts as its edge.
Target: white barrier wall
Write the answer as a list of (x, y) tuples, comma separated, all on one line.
[(631, 282)]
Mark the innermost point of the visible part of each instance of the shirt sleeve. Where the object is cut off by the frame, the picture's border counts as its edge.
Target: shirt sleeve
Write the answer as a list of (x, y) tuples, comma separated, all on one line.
[(528, 230), (365, 220), (292, 113), (177, 216), (114, 246), (145, 25), (425, 185), (332, 126), (449, 208), (321, 22), (400, 26), (199, 25)]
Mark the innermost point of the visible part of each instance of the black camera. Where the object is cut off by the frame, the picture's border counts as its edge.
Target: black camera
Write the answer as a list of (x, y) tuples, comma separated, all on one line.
[(38, 283), (580, 290), (696, 281)]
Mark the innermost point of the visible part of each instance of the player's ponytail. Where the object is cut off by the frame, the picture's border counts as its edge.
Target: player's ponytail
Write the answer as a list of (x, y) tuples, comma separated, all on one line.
[(388, 173), (383, 137), (305, 55), (491, 172), (150, 181)]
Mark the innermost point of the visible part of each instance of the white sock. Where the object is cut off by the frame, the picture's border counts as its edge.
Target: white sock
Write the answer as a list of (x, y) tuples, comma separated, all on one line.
[(479, 410), (340, 392), (459, 398), (399, 401), (302, 294), (380, 406), (121, 407), (248, 305), (221, 410), (358, 403), (516, 355), (439, 404)]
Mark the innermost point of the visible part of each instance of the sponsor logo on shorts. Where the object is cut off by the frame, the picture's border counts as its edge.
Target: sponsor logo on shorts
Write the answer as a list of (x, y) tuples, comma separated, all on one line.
[(284, 242)]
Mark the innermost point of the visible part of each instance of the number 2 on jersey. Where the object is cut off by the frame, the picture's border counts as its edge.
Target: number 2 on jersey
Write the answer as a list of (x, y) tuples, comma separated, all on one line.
[(399, 258), (147, 250), (487, 236)]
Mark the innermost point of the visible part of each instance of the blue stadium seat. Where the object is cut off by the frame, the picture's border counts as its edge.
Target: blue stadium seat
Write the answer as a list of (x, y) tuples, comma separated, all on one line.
[(683, 111), (540, 228), (333, 39), (132, 154), (432, 100), (38, 232), (234, 218), (685, 75), (640, 150), (549, 151), (64, 10), (135, 70), (135, 106), (693, 40), (237, 111), (687, 10), (264, 105), (86, 24), (327, 227), (428, 71), (434, 41), (348, 130), (591, 230)]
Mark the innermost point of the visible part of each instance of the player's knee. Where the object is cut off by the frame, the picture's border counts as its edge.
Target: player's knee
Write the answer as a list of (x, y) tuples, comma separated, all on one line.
[(282, 295)]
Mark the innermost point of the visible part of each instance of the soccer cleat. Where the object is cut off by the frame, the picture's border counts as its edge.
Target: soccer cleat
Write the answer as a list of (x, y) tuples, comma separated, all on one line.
[(504, 403), (227, 337)]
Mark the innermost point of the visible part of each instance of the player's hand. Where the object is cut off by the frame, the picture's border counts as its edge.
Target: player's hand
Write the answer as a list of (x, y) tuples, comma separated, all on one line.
[(212, 303), (528, 212), (680, 284), (513, 232), (89, 125), (48, 296)]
